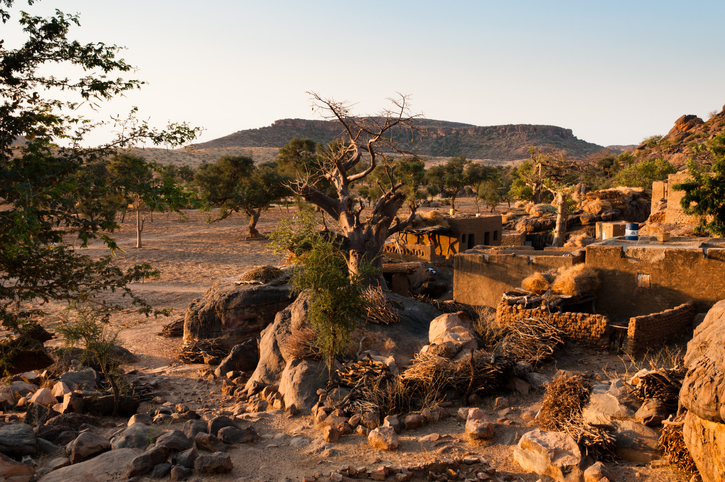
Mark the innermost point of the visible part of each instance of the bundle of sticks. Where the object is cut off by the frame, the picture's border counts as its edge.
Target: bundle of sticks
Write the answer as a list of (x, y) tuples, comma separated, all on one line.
[(175, 329), (351, 373), (531, 339), (202, 351), (380, 309), (672, 444), (663, 384)]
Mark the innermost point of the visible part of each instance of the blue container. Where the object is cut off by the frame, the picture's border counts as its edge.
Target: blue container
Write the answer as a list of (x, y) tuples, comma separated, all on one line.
[(631, 232)]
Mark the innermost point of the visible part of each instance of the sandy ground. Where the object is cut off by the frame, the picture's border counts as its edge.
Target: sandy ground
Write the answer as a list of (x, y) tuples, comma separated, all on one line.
[(191, 254)]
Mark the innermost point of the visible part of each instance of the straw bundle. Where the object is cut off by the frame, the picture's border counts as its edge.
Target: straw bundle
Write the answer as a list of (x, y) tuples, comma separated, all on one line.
[(538, 282), (576, 280), (596, 206), (564, 400), (663, 384), (433, 218), (260, 275)]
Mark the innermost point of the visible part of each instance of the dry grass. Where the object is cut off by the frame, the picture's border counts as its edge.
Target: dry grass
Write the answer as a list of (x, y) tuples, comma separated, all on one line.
[(576, 280), (260, 274), (301, 344), (487, 329), (538, 282)]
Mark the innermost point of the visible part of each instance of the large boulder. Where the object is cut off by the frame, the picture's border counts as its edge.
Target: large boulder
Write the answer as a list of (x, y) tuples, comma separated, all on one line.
[(17, 440), (452, 332), (703, 395), (108, 467), (608, 402), (555, 454), (243, 357), (300, 381), (236, 311)]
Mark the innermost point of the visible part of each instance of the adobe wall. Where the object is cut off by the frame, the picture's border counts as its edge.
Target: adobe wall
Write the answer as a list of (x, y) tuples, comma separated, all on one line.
[(673, 213), (480, 278), (639, 278), (657, 329), (592, 330)]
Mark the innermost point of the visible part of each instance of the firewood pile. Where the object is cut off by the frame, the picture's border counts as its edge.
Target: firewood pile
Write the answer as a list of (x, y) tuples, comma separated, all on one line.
[(381, 310), (561, 410), (175, 329), (530, 339), (673, 446), (447, 306), (664, 384), (351, 373), (210, 351)]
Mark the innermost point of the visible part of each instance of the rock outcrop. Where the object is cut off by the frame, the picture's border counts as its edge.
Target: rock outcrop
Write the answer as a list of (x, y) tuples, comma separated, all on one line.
[(703, 395)]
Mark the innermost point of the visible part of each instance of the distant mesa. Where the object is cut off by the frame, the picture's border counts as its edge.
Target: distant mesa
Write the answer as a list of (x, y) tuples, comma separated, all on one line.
[(440, 139)]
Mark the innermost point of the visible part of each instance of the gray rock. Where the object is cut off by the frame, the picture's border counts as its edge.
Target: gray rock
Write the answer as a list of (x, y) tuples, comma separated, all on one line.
[(217, 423), (186, 458), (209, 443), (216, 463), (555, 454), (392, 421), (180, 473), (651, 413), (37, 414), (85, 446), (232, 435), (478, 425), (414, 421), (108, 467), (607, 403), (10, 469), (300, 381), (193, 427), (635, 442), (81, 380), (140, 465), (243, 357), (17, 440), (174, 440), (158, 454), (46, 446), (160, 471), (137, 436), (384, 438)]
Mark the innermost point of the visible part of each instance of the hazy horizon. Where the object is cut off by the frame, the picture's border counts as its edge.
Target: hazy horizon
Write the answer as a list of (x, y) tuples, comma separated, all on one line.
[(613, 73)]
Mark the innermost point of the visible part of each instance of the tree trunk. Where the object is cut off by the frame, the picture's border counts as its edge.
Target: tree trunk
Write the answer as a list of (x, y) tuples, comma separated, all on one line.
[(561, 219), (253, 218), (139, 227), (365, 248)]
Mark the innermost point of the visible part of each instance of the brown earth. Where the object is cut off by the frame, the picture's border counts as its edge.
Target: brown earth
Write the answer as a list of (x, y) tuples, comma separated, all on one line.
[(191, 254)]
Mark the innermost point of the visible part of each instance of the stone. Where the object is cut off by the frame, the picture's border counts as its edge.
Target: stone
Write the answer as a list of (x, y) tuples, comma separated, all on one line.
[(391, 421), (233, 435), (60, 389), (73, 403), (174, 441), (185, 458), (651, 413), (330, 434), (109, 466), (242, 357), (607, 402), (635, 442), (300, 381), (143, 418), (597, 472), (454, 331), (103, 405), (501, 403), (160, 471), (140, 465), (11, 468), (74, 420), (519, 385), (44, 397), (193, 427), (384, 438), (209, 443), (37, 414), (370, 419), (85, 446), (217, 423), (237, 312), (555, 454), (430, 280), (180, 473), (216, 463), (80, 380), (137, 436), (17, 440), (478, 425), (414, 421)]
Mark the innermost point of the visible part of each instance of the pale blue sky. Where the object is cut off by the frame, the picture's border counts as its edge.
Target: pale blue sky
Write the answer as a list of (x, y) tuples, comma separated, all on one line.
[(614, 72)]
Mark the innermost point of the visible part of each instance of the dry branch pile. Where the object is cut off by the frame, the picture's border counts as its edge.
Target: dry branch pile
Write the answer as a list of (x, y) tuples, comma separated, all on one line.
[(672, 444), (300, 343), (663, 384), (561, 409), (204, 351), (530, 339), (351, 373), (175, 329), (380, 309)]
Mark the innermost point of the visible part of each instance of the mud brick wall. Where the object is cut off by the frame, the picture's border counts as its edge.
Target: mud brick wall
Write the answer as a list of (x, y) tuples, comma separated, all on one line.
[(652, 331), (590, 329)]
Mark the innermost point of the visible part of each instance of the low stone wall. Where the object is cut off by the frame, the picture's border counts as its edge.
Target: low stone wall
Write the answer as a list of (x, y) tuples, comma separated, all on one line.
[(651, 331), (590, 329)]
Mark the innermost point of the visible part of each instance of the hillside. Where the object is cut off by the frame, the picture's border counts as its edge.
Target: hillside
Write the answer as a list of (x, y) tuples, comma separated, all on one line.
[(684, 141), (439, 139)]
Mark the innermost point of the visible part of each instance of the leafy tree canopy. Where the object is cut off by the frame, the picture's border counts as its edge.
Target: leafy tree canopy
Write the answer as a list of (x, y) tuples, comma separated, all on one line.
[(644, 173)]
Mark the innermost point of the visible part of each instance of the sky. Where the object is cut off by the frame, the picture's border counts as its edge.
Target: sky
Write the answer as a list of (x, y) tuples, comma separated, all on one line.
[(614, 72)]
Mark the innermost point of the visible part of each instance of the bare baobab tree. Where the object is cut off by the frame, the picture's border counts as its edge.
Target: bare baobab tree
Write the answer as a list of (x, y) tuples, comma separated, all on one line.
[(365, 142)]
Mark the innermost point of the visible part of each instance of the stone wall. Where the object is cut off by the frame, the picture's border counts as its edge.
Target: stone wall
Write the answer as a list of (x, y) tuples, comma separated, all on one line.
[(643, 277), (481, 276), (592, 330), (657, 329)]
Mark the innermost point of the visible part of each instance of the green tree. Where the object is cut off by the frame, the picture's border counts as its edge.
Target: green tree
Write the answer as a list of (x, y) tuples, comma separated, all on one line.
[(337, 300), (234, 184), (450, 178), (644, 173), (705, 192), (48, 189)]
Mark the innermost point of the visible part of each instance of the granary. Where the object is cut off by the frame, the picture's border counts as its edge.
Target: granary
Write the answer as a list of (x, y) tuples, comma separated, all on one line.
[(434, 237)]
